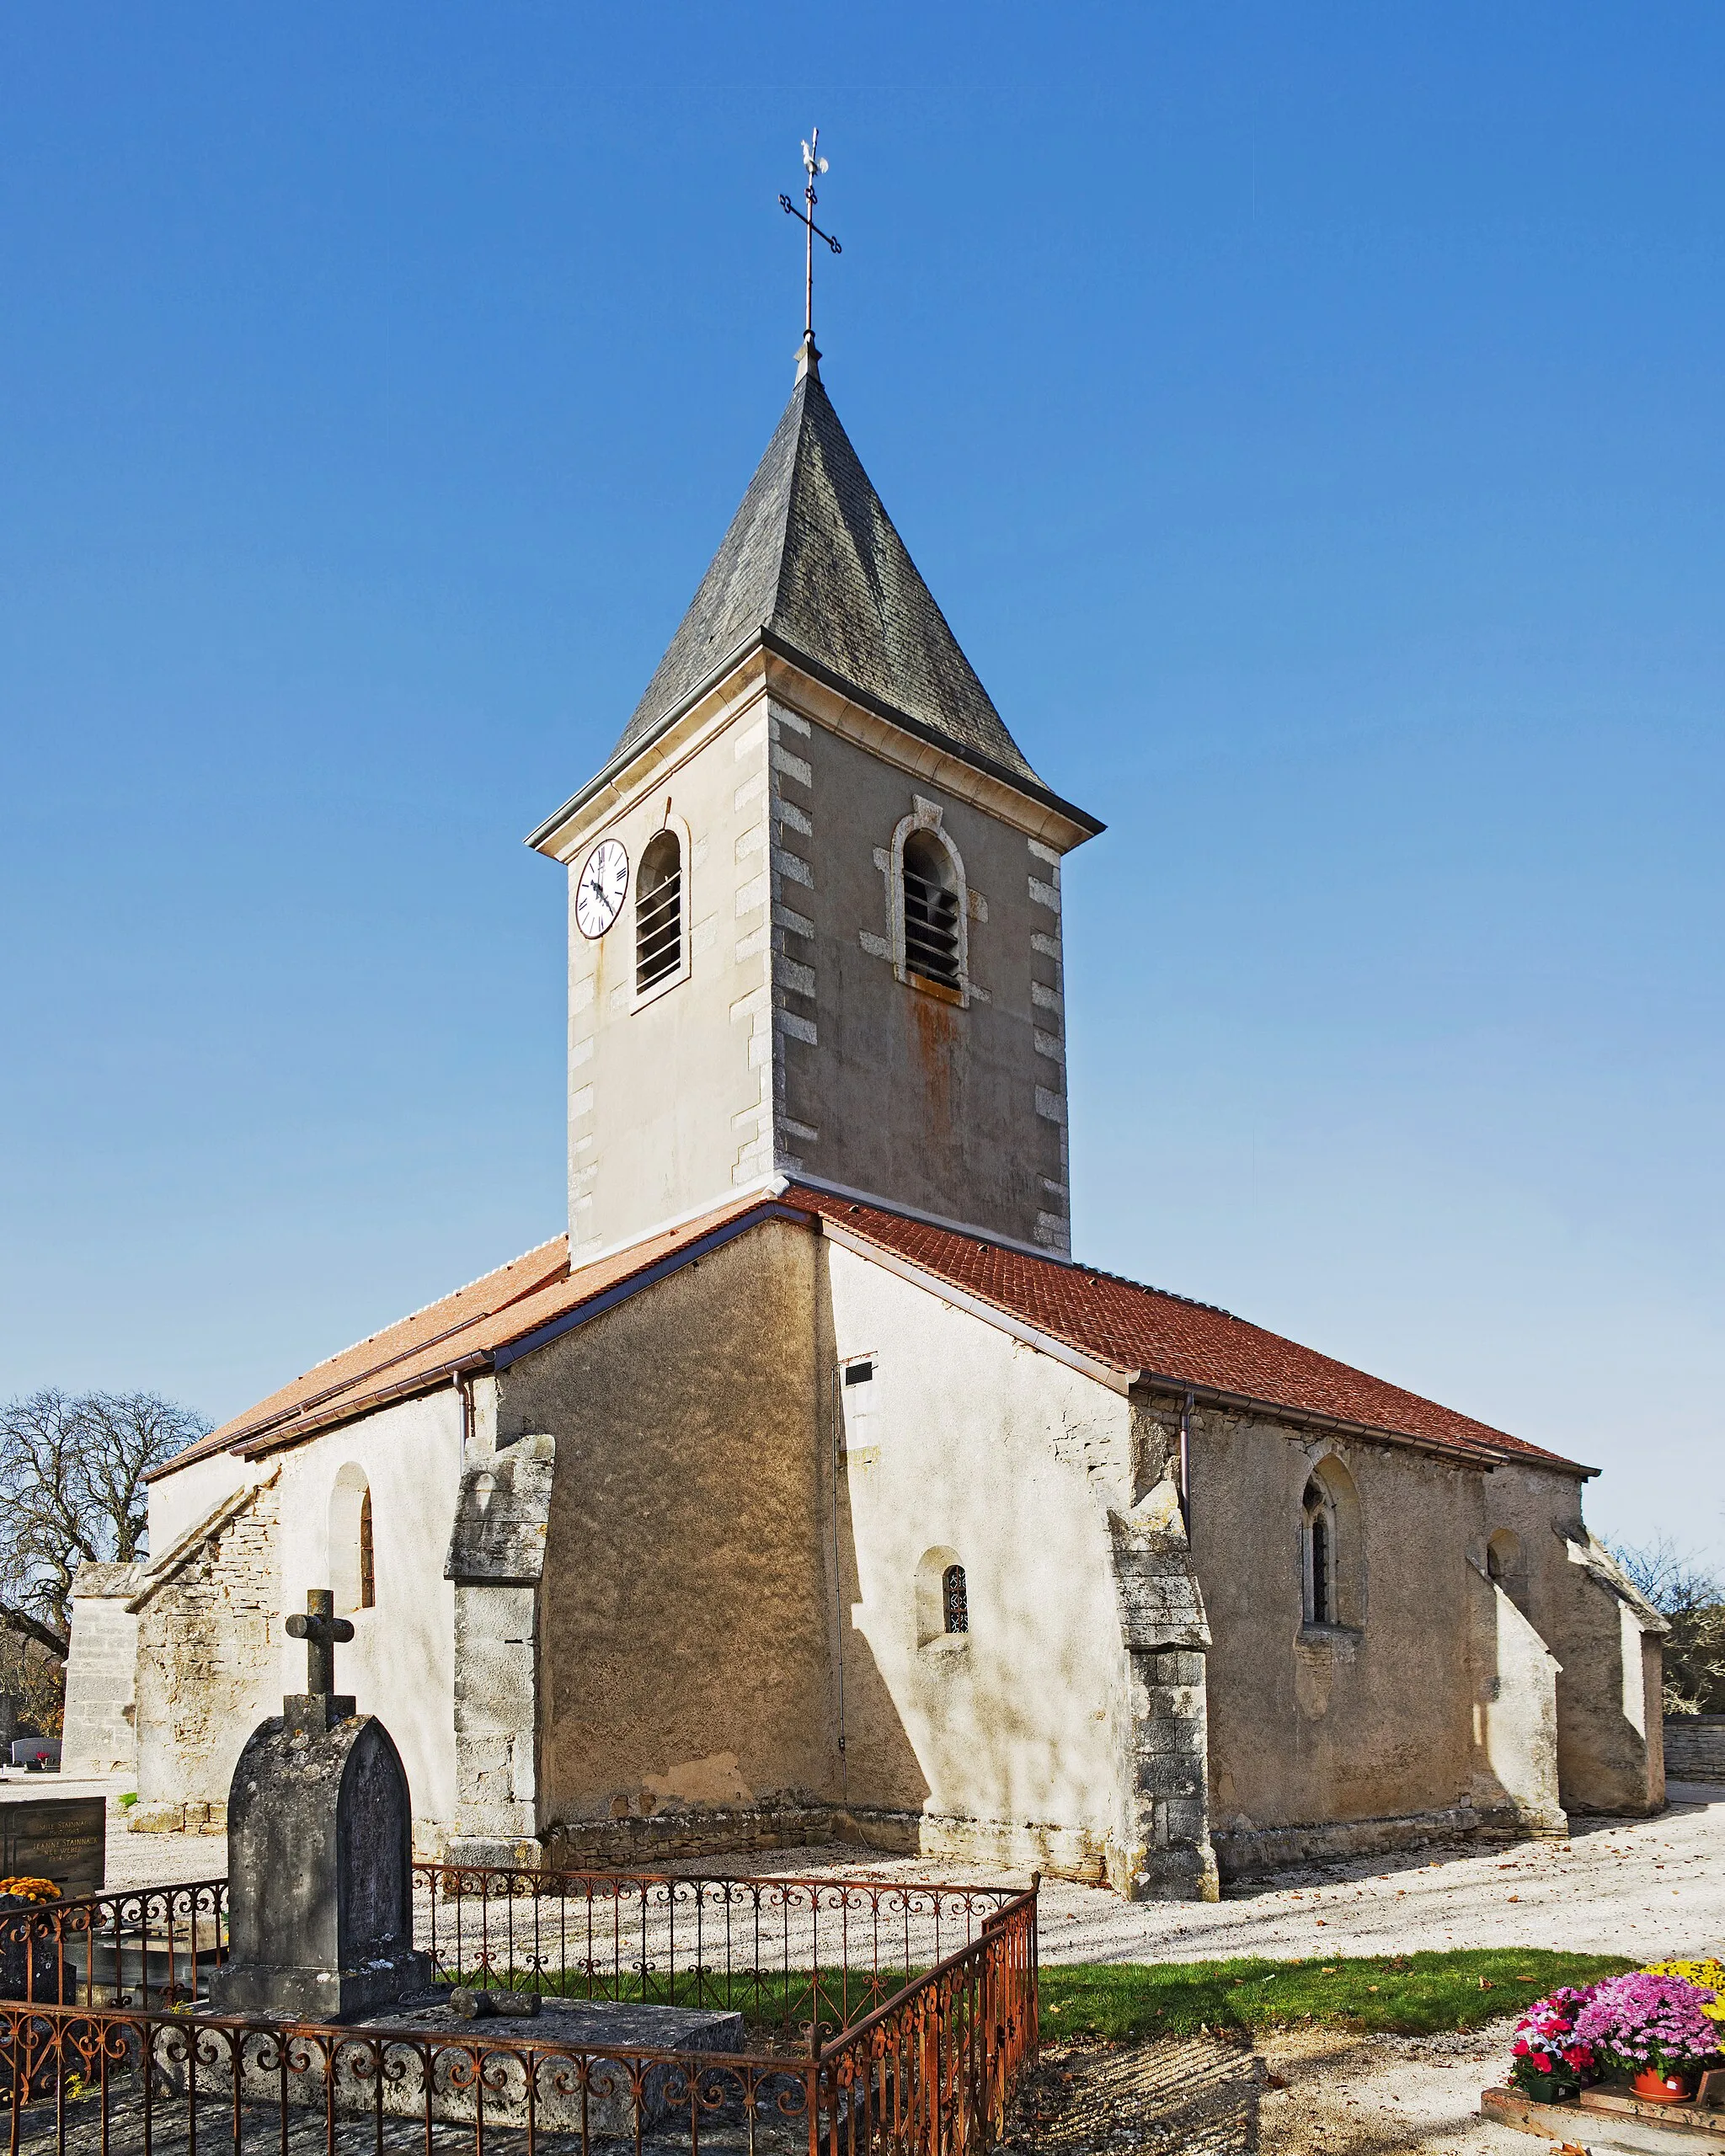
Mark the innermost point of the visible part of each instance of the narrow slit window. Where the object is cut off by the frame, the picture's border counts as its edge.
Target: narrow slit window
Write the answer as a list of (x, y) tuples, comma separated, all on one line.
[(368, 1568), (1320, 1556), (659, 911), (955, 1600), (931, 911)]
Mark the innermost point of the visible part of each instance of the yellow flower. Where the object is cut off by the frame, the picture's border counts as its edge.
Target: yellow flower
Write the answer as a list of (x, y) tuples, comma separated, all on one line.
[(1709, 1974), (30, 1890)]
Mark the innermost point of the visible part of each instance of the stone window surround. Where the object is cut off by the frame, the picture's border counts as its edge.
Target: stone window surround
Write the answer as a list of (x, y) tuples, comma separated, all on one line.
[(1326, 1465), (932, 1637), (928, 816), (639, 998)]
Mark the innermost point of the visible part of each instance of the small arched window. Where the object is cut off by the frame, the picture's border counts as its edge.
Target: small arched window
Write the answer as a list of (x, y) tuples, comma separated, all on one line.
[(931, 910), (1320, 1567), (353, 1571), (955, 1600), (659, 911)]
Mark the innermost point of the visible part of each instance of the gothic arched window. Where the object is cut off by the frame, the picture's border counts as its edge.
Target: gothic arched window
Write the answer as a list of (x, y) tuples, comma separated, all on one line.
[(1319, 1558), (659, 911), (931, 910), (1332, 1566)]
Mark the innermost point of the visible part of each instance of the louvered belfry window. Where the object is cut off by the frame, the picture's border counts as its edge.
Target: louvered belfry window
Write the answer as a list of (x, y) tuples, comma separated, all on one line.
[(659, 911), (931, 911)]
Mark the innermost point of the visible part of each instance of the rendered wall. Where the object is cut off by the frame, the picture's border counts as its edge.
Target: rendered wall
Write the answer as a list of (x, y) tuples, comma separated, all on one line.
[(400, 1663), (685, 1642), (1036, 1733), (1605, 1639), (1371, 1720), (213, 1657)]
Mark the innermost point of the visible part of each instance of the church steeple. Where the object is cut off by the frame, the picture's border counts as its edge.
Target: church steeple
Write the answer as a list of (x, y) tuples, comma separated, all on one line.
[(813, 567), (815, 893)]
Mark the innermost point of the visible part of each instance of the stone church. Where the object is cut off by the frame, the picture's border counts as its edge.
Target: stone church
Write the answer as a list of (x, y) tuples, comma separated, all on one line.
[(808, 1487)]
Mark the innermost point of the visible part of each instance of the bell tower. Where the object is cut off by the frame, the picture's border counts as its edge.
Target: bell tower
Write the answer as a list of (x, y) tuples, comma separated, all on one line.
[(815, 909)]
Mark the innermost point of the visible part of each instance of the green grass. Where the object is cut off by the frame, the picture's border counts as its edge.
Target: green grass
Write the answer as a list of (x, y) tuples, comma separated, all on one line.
[(1403, 1994)]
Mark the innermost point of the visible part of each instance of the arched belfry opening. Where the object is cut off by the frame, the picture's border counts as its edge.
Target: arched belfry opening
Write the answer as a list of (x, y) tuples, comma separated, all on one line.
[(931, 902), (659, 911)]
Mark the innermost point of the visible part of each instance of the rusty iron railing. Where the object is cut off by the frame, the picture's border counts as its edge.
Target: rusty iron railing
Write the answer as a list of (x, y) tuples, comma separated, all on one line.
[(929, 2071), (789, 1950), (150, 1946)]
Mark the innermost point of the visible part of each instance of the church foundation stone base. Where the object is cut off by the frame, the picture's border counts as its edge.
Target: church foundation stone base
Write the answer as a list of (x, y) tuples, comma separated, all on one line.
[(635, 1843), (190, 1819), (1242, 1852)]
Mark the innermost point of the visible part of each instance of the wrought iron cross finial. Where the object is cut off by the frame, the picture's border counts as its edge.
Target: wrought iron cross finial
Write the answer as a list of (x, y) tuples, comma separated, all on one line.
[(813, 164), (320, 1628)]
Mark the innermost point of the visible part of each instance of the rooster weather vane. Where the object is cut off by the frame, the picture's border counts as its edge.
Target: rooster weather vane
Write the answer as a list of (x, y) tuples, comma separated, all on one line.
[(813, 164)]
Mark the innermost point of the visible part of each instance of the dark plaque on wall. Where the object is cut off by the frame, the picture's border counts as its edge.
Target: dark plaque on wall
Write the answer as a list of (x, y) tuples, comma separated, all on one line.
[(64, 1838)]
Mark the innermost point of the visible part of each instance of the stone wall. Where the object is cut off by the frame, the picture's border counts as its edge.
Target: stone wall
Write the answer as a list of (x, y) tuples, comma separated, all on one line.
[(100, 1737), (209, 1634), (1695, 1747)]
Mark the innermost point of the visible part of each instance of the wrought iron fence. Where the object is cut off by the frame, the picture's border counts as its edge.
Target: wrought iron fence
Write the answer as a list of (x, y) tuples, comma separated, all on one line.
[(784, 1951), (928, 2073), (154, 1946)]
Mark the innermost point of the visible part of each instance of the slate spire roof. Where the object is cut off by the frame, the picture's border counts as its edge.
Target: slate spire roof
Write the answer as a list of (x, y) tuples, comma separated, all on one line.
[(813, 565)]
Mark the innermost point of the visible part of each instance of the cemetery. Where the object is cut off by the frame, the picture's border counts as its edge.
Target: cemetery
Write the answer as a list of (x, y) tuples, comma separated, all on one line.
[(331, 1992)]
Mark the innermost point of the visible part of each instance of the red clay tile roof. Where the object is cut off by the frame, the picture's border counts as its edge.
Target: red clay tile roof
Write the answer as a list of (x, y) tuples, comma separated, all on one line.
[(417, 1353), (1138, 1331), (1138, 1328)]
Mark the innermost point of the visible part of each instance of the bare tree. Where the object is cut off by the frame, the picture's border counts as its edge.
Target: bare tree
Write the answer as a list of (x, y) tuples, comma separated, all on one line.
[(71, 1488), (1692, 1598)]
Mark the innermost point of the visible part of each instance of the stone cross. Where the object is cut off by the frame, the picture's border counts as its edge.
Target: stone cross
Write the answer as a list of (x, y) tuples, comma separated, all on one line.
[(320, 1628)]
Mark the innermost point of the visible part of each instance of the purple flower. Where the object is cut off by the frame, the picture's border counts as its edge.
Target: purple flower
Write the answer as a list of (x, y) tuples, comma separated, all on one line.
[(1648, 2020)]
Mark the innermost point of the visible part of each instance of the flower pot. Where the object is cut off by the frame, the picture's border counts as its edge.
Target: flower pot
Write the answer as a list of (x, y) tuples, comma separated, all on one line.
[(1654, 2085)]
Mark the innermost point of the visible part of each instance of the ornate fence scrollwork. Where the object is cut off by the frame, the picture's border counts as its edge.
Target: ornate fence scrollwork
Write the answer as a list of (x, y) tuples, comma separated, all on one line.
[(856, 2045)]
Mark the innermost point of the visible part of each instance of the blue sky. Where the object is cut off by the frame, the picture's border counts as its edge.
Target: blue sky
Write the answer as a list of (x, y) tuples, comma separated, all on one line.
[(1309, 420)]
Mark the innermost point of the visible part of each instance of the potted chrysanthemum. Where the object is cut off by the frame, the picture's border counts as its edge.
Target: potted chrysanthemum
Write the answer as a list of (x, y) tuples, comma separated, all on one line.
[(1551, 2061), (1650, 2030)]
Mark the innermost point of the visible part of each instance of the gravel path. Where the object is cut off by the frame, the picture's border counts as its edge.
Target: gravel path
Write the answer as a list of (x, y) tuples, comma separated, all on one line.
[(1646, 1887)]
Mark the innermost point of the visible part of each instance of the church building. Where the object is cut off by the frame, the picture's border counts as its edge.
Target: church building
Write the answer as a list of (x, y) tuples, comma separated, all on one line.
[(808, 1487)]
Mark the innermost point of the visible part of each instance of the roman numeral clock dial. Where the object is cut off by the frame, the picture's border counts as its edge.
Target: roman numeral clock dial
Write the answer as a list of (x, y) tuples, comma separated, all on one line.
[(603, 886)]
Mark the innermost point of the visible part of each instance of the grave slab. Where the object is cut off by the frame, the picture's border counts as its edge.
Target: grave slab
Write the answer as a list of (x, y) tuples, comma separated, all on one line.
[(519, 2064)]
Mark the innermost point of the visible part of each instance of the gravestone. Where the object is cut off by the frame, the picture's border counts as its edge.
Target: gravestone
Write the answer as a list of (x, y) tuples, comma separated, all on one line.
[(319, 1853), (64, 1838)]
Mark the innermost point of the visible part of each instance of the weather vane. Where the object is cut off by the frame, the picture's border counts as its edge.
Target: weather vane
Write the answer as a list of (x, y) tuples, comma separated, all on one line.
[(813, 164)]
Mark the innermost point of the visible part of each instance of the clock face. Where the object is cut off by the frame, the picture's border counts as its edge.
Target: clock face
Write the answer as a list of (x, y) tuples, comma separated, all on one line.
[(604, 885)]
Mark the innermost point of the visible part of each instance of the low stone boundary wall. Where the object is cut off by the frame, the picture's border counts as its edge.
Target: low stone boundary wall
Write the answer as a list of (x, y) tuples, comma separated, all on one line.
[(1241, 1853), (1695, 1747)]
